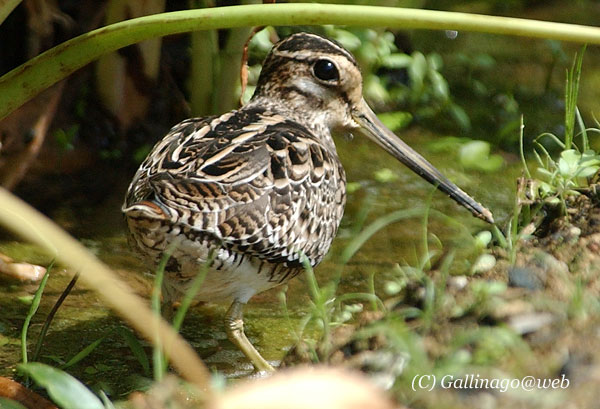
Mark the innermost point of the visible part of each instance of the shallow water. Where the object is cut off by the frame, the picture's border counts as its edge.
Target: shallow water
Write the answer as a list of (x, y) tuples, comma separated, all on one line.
[(83, 319)]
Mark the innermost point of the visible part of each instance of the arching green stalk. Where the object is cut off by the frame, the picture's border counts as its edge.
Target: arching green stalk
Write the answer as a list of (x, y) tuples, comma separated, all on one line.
[(27, 80), (6, 7)]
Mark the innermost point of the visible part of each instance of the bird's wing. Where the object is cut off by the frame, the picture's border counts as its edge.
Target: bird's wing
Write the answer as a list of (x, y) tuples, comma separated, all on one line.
[(260, 184)]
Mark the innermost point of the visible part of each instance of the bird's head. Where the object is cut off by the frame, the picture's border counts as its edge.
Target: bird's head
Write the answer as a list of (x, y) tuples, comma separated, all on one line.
[(321, 83)]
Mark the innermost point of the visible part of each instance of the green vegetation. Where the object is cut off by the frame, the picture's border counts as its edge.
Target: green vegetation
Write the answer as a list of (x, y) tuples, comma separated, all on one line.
[(456, 302)]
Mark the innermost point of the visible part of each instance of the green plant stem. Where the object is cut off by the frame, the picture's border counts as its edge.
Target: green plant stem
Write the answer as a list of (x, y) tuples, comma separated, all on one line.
[(27, 80), (203, 67), (6, 7), (35, 303), (357, 242), (521, 152), (230, 59), (159, 360), (191, 293)]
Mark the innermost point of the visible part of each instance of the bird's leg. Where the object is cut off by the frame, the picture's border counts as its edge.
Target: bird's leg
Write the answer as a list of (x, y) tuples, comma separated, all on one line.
[(234, 325)]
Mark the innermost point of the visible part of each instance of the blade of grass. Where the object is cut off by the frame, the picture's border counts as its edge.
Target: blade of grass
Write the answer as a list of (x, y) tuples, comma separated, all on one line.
[(51, 314), (35, 303), (584, 136), (357, 242), (424, 236), (192, 291), (136, 348), (571, 93), (83, 353), (320, 307), (521, 153), (159, 360)]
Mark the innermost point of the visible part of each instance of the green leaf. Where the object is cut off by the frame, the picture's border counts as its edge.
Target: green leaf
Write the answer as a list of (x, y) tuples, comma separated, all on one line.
[(586, 172), (439, 84), (544, 172), (396, 60), (417, 70), (35, 303), (435, 62), (460, 116), (385, 175), (395, 120), (66, 391), (476, 155), (83, 353), (571, 156), (136, 347), (484, 263), (374, 90), (352, 187), (589, 158), (483, 239), (6, 403)]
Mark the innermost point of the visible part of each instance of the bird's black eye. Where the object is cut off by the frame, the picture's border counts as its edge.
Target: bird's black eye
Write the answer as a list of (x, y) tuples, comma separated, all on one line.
[(325, 70)]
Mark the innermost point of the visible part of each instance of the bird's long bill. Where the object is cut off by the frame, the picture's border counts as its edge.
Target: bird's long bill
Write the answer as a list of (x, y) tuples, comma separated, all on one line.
[(385, 138)]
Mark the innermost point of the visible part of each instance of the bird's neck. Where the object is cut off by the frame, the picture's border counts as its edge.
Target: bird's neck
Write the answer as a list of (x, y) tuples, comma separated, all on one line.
[(298, 110)]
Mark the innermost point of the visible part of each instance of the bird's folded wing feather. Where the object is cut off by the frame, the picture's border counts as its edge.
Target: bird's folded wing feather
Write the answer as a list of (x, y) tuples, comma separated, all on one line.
[(253, 180)]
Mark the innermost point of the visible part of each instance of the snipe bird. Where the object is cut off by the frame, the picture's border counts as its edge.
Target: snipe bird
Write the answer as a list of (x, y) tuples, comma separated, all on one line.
[(263, 185)]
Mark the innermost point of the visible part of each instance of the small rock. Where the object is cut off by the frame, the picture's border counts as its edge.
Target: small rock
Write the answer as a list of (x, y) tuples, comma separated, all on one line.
[(512, 308), (20, 271), (525, 277), (458, 282), (483, 264), (530, 322)]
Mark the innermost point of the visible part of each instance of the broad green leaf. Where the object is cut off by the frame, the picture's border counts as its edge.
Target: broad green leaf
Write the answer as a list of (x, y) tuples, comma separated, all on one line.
[(590, 158), (476, 155), (571, 156), (586, 172), (66, 391)]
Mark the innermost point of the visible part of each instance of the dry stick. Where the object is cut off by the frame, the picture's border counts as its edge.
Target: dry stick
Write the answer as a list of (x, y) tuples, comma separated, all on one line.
[(27, 222), (244, 67), (31, 151), (26, 397)]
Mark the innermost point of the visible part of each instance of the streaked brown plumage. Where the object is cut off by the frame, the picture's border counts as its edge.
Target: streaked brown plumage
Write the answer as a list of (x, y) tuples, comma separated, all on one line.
[(262, 186)]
